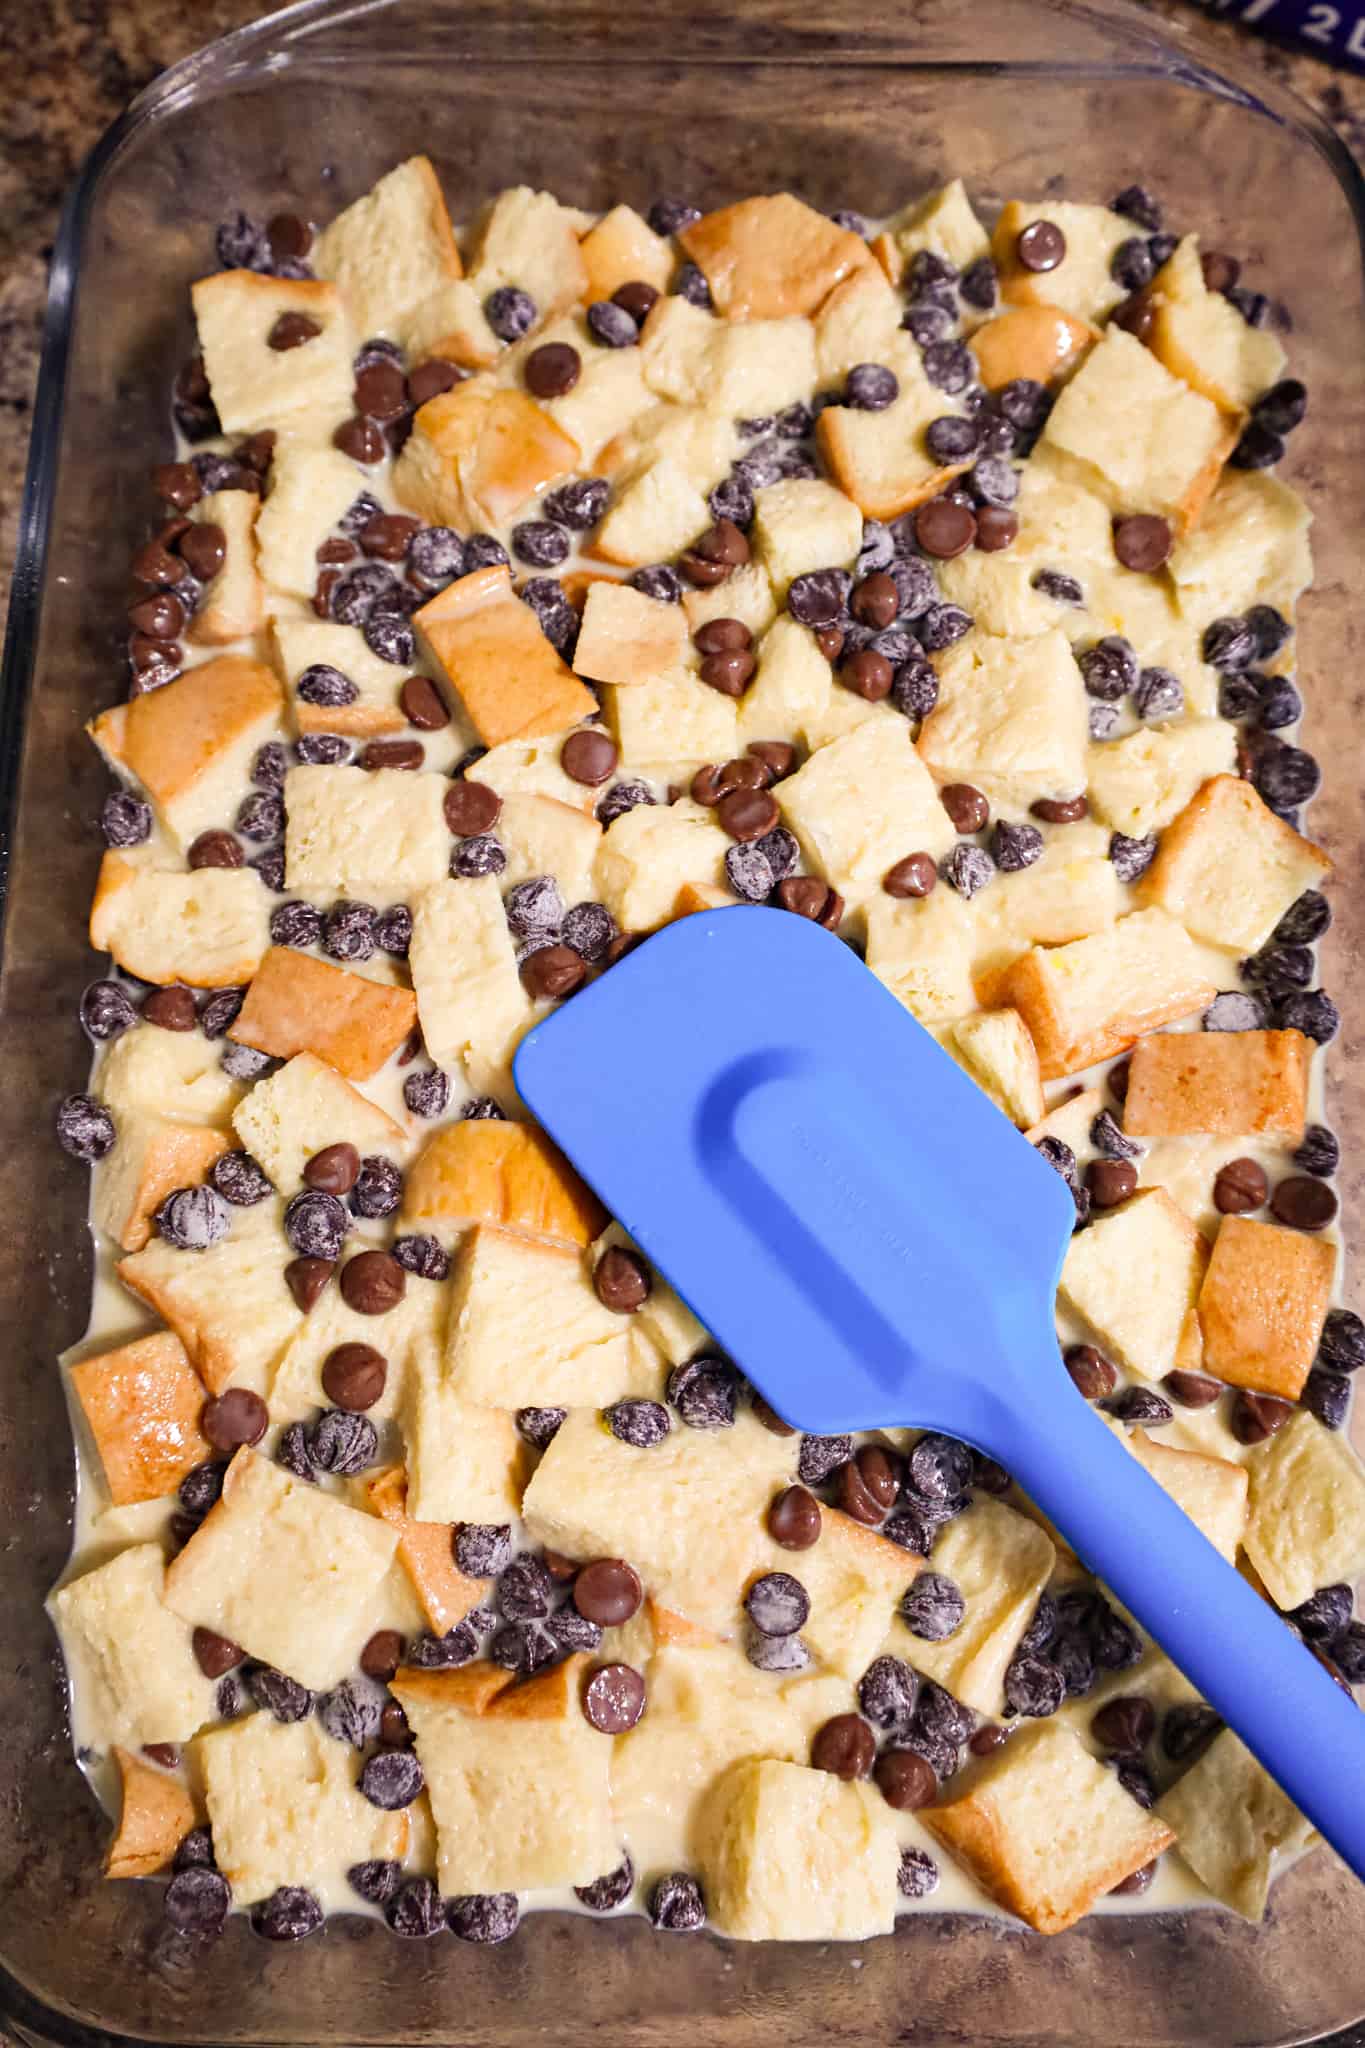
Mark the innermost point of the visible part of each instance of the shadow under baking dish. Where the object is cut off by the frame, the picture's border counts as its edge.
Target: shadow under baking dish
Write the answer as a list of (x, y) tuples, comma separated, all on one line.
[(306, 110)]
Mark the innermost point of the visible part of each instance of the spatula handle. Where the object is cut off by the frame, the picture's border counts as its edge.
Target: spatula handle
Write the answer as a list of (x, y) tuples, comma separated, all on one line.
[(1230, 1643)]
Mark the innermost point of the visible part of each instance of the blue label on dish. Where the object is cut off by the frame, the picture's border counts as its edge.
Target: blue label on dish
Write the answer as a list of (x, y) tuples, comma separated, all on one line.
[(1331, 29)]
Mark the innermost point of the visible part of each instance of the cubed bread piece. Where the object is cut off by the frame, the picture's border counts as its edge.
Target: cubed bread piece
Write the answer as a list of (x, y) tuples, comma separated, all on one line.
[(1212, 1491), (746, 595), (667, 727), (1307, 1523), (298, 1004), (285, 1809), (1000, 1561), (802, 525), (1149, 443), (624, 249), (506, 1174), (1070, 891), (425, 1553), (1038, 342), (542, 836), (464, 971), (858, 323), (1221, 1083), (1010, 719), (530, 240), (228, 1305), (1138, 784), (701, 441), (627, 637), (1062, 519), (534, 768), (995, 1048), (210, 927), (174, 1074), (156, 1815), (1046, 1829), (854, 1579), (1134, 1277), (479, 452), (791, 687), (143, 1403), (290, 1115), (231, 606), (484, 1744), (464, 1463), (190, 743), (305, 389), (415, 1323), (1231, 1820), (527, 1330), (788, 1853), (648, 854), (131, 1652), (490, 647), (1250, 547), (377, 834), (1083, 282), (1228, 868), (1071, 1121), (310, 489), (283, 1569), (692, 357), (665, 1315), (390, 250), (301, 642), (1262, 1305), (943, 222), (609, 393), (923, 951), (1092, 998), (881, 459), (862, 803), (1201, 337), (771, 255), (151, 1158), (451, 324), (656, 514), (687, 1512)]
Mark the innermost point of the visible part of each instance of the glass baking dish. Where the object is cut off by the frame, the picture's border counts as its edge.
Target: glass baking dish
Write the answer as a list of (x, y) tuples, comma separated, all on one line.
[(306, 109)]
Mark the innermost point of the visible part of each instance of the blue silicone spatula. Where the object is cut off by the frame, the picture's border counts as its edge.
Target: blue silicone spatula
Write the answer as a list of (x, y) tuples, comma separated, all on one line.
[(873, 1244)]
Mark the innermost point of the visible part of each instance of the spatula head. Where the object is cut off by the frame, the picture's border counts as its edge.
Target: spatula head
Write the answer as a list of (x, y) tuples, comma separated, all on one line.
[(856, 1224)]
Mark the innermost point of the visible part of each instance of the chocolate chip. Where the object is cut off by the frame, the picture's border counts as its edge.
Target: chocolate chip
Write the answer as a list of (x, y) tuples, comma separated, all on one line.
[(372, 1283), (607, 1591), (820, 1457), (1110, 1181), (1060, 810), (794, 1519), (807, 896), (1142, 542), (1192, 1389), (350, 1713), (968, 869), (949, 365), (614, 1699), (1015, 847), (306, 1278), (1303, 1203), (747, 814), (906, 1780), (482, 1550), (348, 931), (483, 1917), (1240, 1186), (1258, 1416), (171, 1009), (866, 1485), (193, 1219), (292, 330), (1109, 669), (197, 1902), (1131, 858), (1233, 1012), (510, 312), (1141, 1405), (316, 1225), (1041, 246), (214, 1654), (604, 1894), (215, 850), (868, 674), (391, 1780), (944, 528), (705, 1392), (714, 554), (1090, 1371), (1033, 1686), (239, 1180), (1158, 694), (334, 1170), (1342, 1344), (777, 1604), (887, 1694), (234, 1418), (588, 756), (552, 369), (638, 1423), (871, 387), (354, 1375), (933, 1607), (553, 972), (1313, 1013), (913, 876), (590, 929)]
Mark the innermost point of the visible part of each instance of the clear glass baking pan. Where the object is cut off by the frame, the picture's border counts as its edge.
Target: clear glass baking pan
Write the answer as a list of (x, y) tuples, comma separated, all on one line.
[(848, 107)]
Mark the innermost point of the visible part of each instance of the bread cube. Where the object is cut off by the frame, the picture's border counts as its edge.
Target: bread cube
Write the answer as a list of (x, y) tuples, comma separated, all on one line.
[(190, 743), (1212, 1491), (464, 1463), (479, 452), (143, 1402), (231, 606), (665, 1315), (858, 323), (995, 1048), (1071, 891), (285, 1809), (687, 1512), (880, 459), (1071, 1120), (923, 951), (172, 1074), (290, 1115), (451, 324), (299, 1004), (509, 1175), (425, 1553), (667, 727), (374, 834), (130, 1652), (699, 440), (647, 855), (156, 1815), (1092, 998), (1224, 1083), (854, 1578), (304, 390), (534, 768), (801, 525), (1263, 1303), (414, 1324), (228, 1305), (656, 515), (302, 642), (771, 255), (1250, 547), (490, 648), (1062, 519), (790, 1853), (310, 489), (608, 394), (1201, 337), (283, 1569), (464, 971), (1001, 1561), (1039, 342), (526, 1330), (1307, 1523), (792, 685), (1046, 1830), (151, 1158), (943, 221), (1010, 719), (622, 249), (1148, 442), (210, 927), (390, 250), (1228, 868), (530, 240), (542, 836), (690, 356), (1138, 784), (627, 637), (860, 804), (1231, 1821), (1083, 282), (1134, 1278)]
